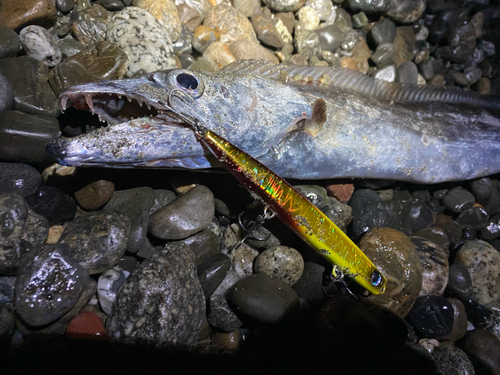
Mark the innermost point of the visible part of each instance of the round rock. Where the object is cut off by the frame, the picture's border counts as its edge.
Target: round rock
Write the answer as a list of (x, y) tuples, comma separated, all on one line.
[(452, 360), (17, 178), (95, 195), (262, 298), (39, 44), (211, 273), (459, 282), (458, 199), (50, 285), (186, 215), (484, 348), (483, 263), (97, 239), (281, 262), (395, 256), (53, 204), (431, 316), (368, 211)]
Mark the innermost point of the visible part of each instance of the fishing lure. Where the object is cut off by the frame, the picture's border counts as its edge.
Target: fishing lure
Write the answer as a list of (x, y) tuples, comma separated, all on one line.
[(293, 209)]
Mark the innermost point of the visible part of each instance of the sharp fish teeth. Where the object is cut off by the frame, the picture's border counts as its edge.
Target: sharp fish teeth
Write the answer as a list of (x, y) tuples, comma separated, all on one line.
[(64, 102), (119, 96), (140, 103), (148, 105), (128, 98), (88, 100)]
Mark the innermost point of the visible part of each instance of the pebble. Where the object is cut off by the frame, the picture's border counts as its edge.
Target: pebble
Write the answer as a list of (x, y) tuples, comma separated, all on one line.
[(384, 32), (330, 37), (86, 325), (406, 11), (459, 282), (262, 298), (218, 55), (308, 18), (242, 260), (307, 43), (281, 262), (309, 286), (368, 6), (18, 178), (6, 94), (246, 49), (483, 263), (189, 17), (65, 6), (17, 14), (203, 37), (231, 23), (39, 44), (435, 267), (408, 73), (359, 20), (7, 285), (402, 268), (10, 44), (483, 347), (388, 73), (452, 228), (482, 86), (452, 360), (492, 228), (368, 212), (135, 204), (24, 137), (53, 204), (288, 20), (97, 239), (186, 215), (211, 273), (267, 31), (144, 39), (95, 195), (226, 342), (284, 5), (90, 25), (108, 285), (184, 45), (32, 93), (383, 55), (458, 199), (248, 7), (431, 316), (102, 60), (40, 300), (204, 244), (165, 12), (221, 316), (473, 218), (341, 192), (459, 321), (171, 315)]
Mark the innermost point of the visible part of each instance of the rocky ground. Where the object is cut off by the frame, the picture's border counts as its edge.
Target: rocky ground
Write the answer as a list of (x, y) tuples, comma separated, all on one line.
[(134, 270)]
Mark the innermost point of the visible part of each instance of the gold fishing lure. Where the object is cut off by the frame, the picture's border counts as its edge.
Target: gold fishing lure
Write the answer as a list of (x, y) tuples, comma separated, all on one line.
[(298, 213)]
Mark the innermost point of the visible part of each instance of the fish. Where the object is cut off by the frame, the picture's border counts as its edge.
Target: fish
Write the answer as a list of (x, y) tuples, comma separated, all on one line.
[(295, 211), (305, 123)]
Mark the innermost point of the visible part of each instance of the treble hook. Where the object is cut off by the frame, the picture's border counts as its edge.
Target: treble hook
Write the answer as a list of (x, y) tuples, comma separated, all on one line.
[(191, 121), (338, 276), (267, 215)]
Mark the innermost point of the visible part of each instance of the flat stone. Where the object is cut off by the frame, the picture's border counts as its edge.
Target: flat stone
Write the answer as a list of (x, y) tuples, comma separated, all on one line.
[(266, 31), (86, 325), (10, 44), (18, 178), (17, 14), (212, 271)]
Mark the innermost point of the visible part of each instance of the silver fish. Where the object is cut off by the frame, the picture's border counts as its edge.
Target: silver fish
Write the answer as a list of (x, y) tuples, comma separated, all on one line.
[(301, 122)]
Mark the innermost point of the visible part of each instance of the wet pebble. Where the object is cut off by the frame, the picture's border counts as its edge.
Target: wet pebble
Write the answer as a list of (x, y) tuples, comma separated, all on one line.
[(458, 199), (211, 273), (171, 315), (162, 198), (309, 286), (330, 37), (218, 55), (459, 282), (18, 178), (452, 360), (492, 228), (65, 6), (38, 44), (10, 44), (135, 205), (7, 285), (384, 32), (112, 5), (473, 218), (225, 342), (483, 263), (368, 211), (284, 5), (97, 239), (6, 94), (49, 286), (53, 204), (221, 316), (307, 43), (431, 316), (203, 37), (369, 6), (186, 215), (204, 244), (108, 285), (95, 195), (435, 267), (406, 11), (165, 12), (308, 18), (262, 298), (189, 17), (86, 325), (436, 234), (17, 14), (145, 40), (281, 262), (388, 73), (402, 268), (483, 348), (408, 73), (242, 260), (232, 24), (459, 321)]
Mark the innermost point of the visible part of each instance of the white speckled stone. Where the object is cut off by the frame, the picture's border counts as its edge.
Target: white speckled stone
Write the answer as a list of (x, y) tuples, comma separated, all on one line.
[(108, 285), (284, 5), (483, 262), (308, 18), (242, 259), (323, 8), (164, 11), (144, 39), (281, 262), (283, 30), (39, 45)]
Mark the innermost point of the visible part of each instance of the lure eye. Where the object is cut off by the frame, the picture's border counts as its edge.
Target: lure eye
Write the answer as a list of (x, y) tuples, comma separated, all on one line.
[(376, 278), (186, 81)]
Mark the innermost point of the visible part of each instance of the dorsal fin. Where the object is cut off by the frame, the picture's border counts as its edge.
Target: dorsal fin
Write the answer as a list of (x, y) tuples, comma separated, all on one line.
[(360, 83), (318, 119)]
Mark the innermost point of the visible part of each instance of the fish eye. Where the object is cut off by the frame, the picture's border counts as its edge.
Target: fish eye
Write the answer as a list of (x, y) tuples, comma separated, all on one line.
[(187, 81), (376, 278)]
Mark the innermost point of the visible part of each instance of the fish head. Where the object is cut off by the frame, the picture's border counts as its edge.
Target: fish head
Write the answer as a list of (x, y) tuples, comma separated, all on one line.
[(146, 118)]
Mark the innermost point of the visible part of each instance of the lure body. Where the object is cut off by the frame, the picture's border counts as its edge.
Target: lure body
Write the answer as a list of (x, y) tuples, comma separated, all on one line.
[(298, 213)]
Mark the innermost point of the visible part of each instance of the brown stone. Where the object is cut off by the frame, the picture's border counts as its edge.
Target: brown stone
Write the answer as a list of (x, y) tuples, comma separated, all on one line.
[(459, 321), (189, 16), (266, 31), (226, 342), (165, 12), (403, 45), (288, 20), (95, 195), (17, 14), (218, 55), (483, 86), (86, 325), (55, 232), (203, 37), (248, 50), (342, 192), (396, 258)]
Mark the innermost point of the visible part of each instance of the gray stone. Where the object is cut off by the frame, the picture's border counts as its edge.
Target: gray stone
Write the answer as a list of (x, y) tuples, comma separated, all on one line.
[(161, 303), (458, 199), (108, 285), (459, 282), (368, 211), (53, 204), (18, 178), (203, 244), (330, 37), (10, 44), (6, 94), (484, 347), (309, 286), (369, 6), (282, 262), (49, 287), (384, 32), (266, 31), (408, 73), (452, 361), (39, 44), (406, 11), (473, 218), (112, 5), (262, 298), (24, 137), (221, 316), (388, 73), (383, 55), (211, 273), (135, 204), (188, 214), (97, 239), (65, 6), (162, 198), (307, 43)]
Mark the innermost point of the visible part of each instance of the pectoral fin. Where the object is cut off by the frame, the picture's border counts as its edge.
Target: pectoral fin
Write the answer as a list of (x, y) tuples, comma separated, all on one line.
[(314, 125)]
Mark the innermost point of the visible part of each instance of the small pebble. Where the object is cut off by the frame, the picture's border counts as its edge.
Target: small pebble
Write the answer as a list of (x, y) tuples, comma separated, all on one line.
[(38, 44), (310, 285), (282, 262), (458, 199), (368, 211), (452, 360), (53, 204), (86, 325), (435, 267), (221, 316), (431, 316), (384, 32), (10, 44), (108, 285), (211, 273), (218, 55), (484, 348), (459, 321), (95, 195), (18, 178), (165, 12)]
